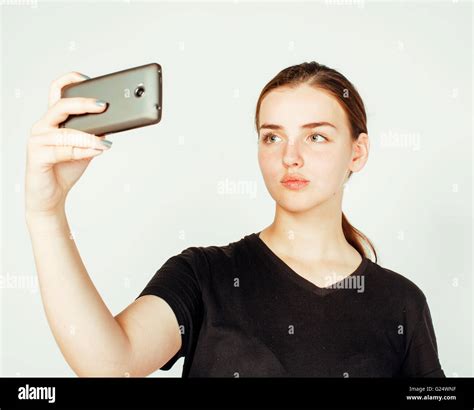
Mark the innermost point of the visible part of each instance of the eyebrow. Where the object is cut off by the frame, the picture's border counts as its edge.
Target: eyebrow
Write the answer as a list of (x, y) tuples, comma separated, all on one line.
[(310, 125)]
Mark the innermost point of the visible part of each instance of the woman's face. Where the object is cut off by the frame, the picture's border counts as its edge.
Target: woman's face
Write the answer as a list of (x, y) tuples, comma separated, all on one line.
[(323, 154)]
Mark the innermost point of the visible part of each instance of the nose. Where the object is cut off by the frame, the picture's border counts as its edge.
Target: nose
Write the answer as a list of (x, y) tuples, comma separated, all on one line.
[(292, 155)]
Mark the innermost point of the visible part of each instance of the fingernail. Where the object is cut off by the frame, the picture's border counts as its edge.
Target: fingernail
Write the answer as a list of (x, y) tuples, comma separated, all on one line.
[(85, 76), (100, 103), (107, 143)]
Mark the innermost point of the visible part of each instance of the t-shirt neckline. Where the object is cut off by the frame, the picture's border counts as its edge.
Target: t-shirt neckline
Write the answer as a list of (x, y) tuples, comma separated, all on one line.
[(361, 270)]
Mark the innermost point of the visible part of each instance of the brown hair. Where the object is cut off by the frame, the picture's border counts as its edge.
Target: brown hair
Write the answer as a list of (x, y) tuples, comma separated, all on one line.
[(325, 78)]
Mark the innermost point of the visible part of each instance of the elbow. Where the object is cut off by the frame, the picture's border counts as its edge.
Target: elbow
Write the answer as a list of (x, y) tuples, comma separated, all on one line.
[(102, 370)]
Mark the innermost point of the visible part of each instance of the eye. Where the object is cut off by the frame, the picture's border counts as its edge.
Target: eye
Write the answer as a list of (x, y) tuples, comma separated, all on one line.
[(269, 135), (265, 137), (317, 135)]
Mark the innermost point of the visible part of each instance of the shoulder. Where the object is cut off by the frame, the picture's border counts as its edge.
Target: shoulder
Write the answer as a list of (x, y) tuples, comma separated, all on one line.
[(229, 252), (207, 258), (395, 288)]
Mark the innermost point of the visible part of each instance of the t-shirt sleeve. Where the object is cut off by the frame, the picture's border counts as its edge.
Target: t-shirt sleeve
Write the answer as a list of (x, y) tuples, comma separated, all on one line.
[(177, 282), (421, 359)]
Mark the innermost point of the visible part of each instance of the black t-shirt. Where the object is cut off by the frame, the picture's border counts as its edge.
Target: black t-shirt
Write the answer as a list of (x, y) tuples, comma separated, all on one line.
[(243, 312)]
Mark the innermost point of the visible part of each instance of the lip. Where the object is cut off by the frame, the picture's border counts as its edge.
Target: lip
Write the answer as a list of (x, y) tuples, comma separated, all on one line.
[(295, 185), (293, 178), (294, 181)]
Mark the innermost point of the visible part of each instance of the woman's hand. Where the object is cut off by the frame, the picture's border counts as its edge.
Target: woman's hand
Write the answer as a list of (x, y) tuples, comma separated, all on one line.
[(57, 157)]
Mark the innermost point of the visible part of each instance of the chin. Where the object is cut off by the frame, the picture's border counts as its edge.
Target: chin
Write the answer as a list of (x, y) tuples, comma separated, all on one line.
[(296, 202)]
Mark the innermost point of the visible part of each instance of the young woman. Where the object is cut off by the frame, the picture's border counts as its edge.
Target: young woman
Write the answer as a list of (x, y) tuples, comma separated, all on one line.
[(298, 298)]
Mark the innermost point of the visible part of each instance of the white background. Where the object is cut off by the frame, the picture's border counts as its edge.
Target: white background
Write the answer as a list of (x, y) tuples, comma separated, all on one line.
[(157, 191)]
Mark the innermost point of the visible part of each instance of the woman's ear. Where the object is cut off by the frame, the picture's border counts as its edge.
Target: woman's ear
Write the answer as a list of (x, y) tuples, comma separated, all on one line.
[(360, 152)]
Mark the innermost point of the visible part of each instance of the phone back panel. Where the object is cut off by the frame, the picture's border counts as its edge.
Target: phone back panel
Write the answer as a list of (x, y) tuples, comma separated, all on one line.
[(126, 108)]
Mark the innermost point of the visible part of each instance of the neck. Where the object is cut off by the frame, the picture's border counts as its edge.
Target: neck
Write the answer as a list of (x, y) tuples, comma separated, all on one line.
[(313, 235)]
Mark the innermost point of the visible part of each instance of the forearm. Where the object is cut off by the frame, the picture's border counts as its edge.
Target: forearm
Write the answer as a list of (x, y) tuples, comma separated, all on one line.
[(91, 340)]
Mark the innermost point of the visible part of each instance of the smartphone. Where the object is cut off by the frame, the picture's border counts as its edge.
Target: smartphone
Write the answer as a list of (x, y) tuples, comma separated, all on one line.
[(134, 98)]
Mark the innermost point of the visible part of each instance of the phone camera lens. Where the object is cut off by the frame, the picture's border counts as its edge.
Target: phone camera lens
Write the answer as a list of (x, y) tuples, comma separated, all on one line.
[(139, 91)]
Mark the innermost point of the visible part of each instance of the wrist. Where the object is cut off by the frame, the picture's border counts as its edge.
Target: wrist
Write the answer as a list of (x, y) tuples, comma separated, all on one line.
[(46, 221)]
